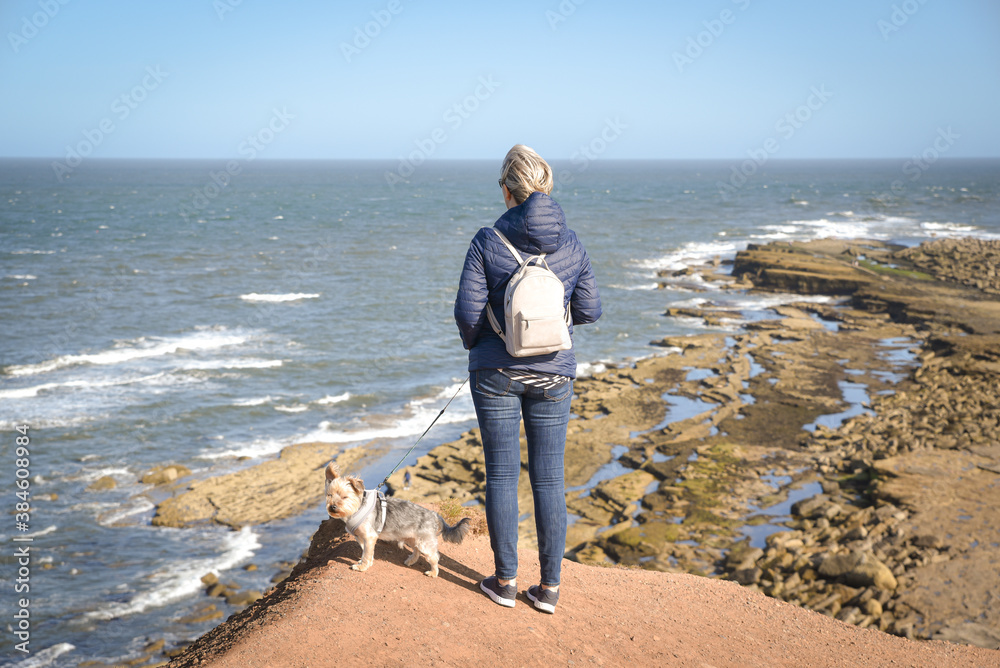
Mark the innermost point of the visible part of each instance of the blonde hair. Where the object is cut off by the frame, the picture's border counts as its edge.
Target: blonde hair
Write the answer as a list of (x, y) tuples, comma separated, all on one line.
[(525, 172)]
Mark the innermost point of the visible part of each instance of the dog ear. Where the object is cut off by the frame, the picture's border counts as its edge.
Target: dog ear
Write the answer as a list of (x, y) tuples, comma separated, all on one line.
[(331, 471), (358, 484)]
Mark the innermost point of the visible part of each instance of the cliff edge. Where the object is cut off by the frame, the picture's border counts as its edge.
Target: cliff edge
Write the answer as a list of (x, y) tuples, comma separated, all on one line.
[(325, 614)]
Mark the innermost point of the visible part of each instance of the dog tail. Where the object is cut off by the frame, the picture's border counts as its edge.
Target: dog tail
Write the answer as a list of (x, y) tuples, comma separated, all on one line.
[(455, 534)]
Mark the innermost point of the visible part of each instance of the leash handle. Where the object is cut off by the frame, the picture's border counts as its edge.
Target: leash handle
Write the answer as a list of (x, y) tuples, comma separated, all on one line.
[(407, 454)]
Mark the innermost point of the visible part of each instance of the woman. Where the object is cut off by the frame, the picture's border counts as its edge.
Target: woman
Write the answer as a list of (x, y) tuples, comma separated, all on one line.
[(539, 388)]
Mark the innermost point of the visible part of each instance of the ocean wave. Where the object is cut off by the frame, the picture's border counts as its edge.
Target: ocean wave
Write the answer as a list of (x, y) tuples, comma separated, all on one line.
[(330, 399), (34, 390), (259, 401), (44, 532), (181, 579), (822, 228), (254, 450), (21, 277), (211, 365), (290, 297), (295, 408), (587, 369), (33, 252), (90, 475), (137, 506), (640, 286), (948, 229), (759, 302), (694, 252), (45, 657), (133, 350), (417, 415)]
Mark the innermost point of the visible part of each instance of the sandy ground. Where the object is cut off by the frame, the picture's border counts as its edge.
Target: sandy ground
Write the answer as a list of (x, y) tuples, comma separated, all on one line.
[(325, 614)]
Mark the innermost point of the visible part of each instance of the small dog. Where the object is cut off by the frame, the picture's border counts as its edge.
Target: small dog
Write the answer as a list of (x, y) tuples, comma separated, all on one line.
[(405, 522)]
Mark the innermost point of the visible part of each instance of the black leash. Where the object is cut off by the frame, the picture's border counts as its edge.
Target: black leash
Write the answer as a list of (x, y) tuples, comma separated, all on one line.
[(386, 479)]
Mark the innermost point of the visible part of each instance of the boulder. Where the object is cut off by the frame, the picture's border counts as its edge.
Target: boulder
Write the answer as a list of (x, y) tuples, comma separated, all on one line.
[(162, 475), (102, 484), (858, 569)]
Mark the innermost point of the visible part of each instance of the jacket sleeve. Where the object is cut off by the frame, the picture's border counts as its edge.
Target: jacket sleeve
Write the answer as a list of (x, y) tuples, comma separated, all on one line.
[(585, 304), (473, 296)]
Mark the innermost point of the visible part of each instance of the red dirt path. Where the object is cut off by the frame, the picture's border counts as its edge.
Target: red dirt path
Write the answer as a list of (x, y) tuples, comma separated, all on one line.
[(328, 615)]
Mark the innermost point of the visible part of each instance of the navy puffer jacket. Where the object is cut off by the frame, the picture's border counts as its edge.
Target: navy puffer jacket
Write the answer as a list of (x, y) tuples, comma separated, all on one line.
[(536, 226)]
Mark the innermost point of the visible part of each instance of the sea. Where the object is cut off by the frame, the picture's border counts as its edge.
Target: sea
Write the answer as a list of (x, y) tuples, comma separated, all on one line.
[(188, 312)]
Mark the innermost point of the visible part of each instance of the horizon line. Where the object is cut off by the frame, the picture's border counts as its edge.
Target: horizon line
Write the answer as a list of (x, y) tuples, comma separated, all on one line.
[(443, 160)]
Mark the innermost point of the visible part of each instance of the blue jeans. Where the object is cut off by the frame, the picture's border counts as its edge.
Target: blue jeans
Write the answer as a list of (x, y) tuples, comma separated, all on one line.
[(500, 403)]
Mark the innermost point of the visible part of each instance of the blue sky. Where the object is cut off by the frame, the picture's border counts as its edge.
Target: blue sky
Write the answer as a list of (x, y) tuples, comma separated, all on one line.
[(661, 80)]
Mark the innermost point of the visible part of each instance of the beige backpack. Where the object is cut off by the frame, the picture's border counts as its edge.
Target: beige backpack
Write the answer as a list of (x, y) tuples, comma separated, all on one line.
[(536, 321)]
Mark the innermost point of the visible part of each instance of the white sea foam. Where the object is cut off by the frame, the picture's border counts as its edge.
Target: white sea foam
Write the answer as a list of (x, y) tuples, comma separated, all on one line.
[(44, 532), (210, 365), (137, 506), (296, 408), (34, 390), (640, 286), (694, 252), (256, 449), (331, 399), (819, 229), (693, 302), (45, 657), (946, 229), (33, 252), (181, 579), (22, 277), (137, 349), (587, 369), (760, 302), (417, 415), (290, 297), (93, 474), (259, 401)]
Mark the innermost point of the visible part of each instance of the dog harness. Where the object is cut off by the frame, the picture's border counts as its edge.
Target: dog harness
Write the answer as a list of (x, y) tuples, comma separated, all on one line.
[(367, 505)]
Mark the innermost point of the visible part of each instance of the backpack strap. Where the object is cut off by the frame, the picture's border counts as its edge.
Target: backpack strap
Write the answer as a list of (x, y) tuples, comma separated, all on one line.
[(489, 309), (510, 246), (520, 261)]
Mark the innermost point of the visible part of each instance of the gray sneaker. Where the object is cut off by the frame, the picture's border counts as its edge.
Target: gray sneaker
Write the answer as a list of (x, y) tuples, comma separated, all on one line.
[(504, 595), (544, 599)]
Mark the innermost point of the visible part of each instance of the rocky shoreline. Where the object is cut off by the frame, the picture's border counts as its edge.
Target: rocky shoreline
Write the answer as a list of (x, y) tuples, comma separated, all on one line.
[(842, 456), (883, 516)]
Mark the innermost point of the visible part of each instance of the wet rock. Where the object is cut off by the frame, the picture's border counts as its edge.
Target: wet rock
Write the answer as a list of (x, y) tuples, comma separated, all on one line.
[(272, 490), (244, 597), (162, 475), (625, 489), (205, 614), (102, 484)]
